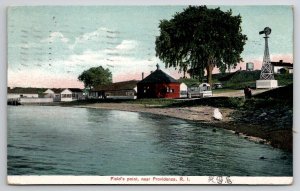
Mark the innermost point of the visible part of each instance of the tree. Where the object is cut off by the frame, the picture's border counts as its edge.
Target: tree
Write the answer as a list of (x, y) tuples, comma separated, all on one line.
[(95, 76), (200, 39)]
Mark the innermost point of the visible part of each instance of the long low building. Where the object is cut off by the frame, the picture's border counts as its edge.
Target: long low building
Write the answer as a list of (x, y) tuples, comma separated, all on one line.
[(19, 92), (40, 95), (118, 90)]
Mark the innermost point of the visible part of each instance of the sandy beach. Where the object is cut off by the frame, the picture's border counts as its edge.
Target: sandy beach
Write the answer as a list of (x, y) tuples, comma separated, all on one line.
[(201, 114)]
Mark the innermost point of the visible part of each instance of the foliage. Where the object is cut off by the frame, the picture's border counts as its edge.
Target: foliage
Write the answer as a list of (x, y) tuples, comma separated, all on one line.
[(189, 81), (200, 38), (95, 76), (284, 79)]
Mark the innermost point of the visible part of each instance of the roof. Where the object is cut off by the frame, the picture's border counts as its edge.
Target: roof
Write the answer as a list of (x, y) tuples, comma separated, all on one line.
[(21, 90), (126, 85), (158, 76), (74, 89), (281, 63), (56, 90)]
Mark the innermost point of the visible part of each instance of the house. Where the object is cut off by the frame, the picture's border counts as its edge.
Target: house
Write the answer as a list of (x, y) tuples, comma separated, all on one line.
[(71, 94), (19, 92), (118, 90), (53, 93), (282, 67), (158, 85)]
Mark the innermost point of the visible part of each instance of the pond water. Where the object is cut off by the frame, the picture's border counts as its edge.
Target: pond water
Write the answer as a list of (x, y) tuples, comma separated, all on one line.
[(50, 140)]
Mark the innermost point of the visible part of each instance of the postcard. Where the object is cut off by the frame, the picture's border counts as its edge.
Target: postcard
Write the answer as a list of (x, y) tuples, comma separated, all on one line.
[(150, 95)]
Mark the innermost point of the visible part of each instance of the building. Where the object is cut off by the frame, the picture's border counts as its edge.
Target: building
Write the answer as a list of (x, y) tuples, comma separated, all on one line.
[(282, 67), (53, 93), (158, 85), (71, 94), (183, 90), (118, 90), (27, 96), (18, 92)]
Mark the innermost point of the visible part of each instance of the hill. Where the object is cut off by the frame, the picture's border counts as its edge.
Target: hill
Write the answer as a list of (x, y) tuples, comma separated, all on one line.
[(240, 79)]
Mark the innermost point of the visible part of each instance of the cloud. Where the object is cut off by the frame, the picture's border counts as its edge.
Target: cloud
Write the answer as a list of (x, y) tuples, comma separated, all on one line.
[(54, 36), (127, 45), (91, 36)]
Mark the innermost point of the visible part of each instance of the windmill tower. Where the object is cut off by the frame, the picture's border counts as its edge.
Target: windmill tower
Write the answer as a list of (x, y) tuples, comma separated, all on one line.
[(266, 76)]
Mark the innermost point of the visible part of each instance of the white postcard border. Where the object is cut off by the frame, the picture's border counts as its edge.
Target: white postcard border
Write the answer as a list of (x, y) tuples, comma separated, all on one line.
[(148, 180)]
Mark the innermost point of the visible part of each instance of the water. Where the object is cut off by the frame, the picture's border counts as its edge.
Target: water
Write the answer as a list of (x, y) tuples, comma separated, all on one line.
[(77, 141)]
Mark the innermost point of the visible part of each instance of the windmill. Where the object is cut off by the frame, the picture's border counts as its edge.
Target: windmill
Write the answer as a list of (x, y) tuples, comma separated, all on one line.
[(266, 75), (267, 69)]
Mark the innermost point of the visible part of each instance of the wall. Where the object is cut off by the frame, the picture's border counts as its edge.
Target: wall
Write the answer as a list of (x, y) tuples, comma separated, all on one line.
[(163, 90), (36, 100), (66, 99), (121, 97)]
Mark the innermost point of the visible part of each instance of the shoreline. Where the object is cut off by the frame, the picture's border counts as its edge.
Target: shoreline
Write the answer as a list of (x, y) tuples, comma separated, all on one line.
[(202, 114)]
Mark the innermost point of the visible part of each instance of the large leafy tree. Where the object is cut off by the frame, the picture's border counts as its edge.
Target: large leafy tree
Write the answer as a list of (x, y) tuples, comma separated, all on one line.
[(200, 39), (95, 76)]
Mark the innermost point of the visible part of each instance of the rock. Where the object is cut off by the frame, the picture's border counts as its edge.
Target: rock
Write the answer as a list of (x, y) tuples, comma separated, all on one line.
[(214, 130), (217, 114), (262, 158), (245, 137), (236, 132), (272, 111), (263, 114), (262, 142)]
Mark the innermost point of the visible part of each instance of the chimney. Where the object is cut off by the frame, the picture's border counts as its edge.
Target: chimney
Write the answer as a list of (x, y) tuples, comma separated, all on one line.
[(280, 61), (157, 67), (142, 75)]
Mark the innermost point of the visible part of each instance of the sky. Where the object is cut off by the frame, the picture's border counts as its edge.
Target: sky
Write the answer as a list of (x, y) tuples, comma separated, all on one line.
[(49, 46)]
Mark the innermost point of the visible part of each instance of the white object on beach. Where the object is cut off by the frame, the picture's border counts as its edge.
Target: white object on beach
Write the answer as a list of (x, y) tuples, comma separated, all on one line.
[(217, 114)]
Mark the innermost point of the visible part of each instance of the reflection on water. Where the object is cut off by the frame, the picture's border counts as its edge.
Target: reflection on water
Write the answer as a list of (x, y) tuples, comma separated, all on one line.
[(78, 141)]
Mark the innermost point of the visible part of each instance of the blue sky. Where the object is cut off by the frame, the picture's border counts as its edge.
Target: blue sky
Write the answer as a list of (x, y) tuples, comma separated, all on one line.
[(50, 46)]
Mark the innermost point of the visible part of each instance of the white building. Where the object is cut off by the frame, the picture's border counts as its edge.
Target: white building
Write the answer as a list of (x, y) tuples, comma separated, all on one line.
[(71, 94), (53, 93), (15, 93), (183, 90), (282, 67)]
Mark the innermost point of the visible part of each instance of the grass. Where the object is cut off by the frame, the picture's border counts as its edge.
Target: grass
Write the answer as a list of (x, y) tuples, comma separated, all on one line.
[(240, 79), (226, 102)]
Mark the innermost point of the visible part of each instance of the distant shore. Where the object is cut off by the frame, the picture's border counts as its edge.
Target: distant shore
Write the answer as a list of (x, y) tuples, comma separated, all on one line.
[(203, 114)]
